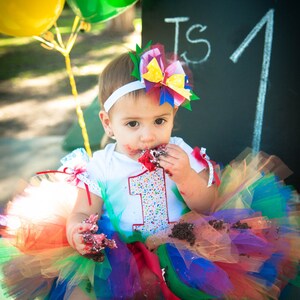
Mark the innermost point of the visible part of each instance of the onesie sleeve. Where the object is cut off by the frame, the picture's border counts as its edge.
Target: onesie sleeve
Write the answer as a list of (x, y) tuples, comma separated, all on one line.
[(196, 165), (96, 171)]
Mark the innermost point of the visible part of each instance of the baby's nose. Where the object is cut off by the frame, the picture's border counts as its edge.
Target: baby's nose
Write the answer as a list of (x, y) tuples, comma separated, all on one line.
[(147, 135)]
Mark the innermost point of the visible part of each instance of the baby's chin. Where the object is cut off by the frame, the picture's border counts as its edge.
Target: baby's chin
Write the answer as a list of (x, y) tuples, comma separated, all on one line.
[(136, 152), (129, 151)]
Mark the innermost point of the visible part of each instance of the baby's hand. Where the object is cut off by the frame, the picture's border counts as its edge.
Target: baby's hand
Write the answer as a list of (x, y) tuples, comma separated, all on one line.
[(88, 243), (78, 232), (176, 163)]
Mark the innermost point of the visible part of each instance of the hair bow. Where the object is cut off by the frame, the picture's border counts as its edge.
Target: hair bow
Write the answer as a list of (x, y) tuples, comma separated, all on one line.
[(170, 82)]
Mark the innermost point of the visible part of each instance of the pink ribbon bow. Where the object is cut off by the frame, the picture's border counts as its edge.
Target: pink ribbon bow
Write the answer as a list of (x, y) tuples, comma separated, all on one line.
[(170, 81)]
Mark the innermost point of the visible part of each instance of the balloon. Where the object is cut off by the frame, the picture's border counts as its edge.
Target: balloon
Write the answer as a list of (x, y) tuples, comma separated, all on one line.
[(93, 11), (120, 3), (28, 17)]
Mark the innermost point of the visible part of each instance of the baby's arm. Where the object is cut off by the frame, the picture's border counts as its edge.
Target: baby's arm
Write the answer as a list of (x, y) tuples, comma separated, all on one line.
[(191, 185), (81, 211)]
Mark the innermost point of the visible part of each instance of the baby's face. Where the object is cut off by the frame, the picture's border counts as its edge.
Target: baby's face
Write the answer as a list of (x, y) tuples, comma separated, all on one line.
[(140, 124)]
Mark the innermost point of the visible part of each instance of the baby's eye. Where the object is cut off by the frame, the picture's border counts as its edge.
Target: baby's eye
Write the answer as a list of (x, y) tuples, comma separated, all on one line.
[(132, 124), (160, 121)]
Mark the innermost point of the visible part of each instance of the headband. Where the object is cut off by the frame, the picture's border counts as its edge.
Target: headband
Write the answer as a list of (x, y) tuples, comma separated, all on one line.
[(170, 82), (120, 92)]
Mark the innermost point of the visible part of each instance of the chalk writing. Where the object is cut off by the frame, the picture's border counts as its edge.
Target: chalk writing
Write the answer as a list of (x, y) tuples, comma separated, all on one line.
[(268, 19), (200, 27)]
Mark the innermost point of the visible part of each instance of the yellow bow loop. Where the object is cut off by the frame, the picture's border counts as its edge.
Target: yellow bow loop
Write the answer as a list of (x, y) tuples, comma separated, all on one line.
[(154, 73), (176, 83)]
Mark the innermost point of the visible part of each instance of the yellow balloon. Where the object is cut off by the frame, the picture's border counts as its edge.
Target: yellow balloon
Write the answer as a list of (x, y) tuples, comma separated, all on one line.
[(28, 17)]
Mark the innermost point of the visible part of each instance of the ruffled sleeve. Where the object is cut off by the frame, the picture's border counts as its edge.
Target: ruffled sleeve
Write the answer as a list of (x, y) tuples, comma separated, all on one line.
[(75, 165)]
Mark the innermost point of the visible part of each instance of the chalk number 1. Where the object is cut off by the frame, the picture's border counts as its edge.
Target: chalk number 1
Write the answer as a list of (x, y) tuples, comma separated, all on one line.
[(268, 19)]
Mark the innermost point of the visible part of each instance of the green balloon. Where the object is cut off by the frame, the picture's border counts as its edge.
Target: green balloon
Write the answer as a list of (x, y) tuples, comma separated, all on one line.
[(120, 3), (94, 11)]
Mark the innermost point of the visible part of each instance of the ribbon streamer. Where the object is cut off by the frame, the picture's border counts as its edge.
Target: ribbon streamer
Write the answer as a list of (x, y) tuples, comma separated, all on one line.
[(201, 156)]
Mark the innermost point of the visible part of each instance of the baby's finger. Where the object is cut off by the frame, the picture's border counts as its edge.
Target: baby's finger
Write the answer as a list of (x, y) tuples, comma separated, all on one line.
[(83, 227), (175, 151), (77, 242), (84, 249), (167, 161), (172, 147)]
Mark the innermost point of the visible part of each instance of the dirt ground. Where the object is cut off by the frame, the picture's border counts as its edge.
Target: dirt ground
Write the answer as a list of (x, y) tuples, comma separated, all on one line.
[(43, 105)]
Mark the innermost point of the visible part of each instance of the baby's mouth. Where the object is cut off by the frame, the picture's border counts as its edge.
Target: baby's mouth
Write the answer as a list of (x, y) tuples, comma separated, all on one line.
[(150, 157)]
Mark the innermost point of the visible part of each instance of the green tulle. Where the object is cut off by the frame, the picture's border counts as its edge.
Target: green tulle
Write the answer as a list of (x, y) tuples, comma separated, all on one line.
[(6, 253), (270, 194), (77, 268), (296, 280)]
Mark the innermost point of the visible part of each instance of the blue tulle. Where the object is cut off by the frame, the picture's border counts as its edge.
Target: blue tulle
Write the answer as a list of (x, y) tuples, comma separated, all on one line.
[(200, 273), (57, 291), (269, 270)]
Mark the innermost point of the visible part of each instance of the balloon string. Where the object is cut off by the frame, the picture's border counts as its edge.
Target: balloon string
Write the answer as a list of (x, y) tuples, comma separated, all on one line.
[(59, 37), (51, 45), (73, 35), (65, 51), (78, 107)]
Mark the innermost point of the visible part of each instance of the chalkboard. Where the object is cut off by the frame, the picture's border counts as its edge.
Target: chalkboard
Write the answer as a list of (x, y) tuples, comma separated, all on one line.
[(244, 57)]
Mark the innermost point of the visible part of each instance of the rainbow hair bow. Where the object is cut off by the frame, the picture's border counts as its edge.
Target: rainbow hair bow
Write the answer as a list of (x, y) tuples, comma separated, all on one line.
[(170, 82)]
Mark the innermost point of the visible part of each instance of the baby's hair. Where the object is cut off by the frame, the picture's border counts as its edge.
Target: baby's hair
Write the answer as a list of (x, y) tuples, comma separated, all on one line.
[(115, 75)]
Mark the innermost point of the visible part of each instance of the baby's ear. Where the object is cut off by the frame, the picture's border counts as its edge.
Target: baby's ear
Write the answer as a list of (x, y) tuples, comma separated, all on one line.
[(104, 118), (175, 109)]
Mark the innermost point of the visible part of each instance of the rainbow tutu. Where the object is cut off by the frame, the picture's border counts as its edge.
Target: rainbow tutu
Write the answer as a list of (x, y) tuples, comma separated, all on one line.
[(247, 247)]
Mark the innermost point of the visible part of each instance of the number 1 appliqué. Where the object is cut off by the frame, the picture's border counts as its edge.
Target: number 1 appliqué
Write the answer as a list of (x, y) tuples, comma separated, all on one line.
[(151, 187)]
